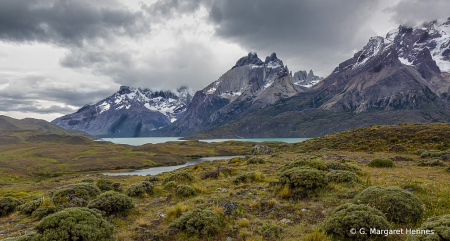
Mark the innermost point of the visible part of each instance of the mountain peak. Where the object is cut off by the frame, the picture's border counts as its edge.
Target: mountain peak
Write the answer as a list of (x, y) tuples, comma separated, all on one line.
[(251, 58), (273, 62)]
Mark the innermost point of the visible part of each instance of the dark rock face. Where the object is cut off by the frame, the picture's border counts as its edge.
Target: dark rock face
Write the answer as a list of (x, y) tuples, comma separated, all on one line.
[(251, 59), (306, 79), (130, 112)]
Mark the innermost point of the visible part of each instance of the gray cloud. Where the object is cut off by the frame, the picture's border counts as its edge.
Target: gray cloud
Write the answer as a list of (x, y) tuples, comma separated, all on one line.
[(27, 106), (414, 12), (171, 8), (66, 22)]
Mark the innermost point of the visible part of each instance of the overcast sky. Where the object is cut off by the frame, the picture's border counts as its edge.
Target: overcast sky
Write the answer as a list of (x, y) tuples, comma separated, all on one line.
[(58, 55)]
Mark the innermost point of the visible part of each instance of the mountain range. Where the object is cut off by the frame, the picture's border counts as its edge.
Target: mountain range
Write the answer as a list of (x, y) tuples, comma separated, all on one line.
[(402, 77)]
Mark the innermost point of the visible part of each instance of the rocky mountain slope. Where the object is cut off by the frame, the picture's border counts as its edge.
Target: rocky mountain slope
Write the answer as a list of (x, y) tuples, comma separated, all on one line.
[(248, 86), (403, 77), (41, 126), (130, 112)]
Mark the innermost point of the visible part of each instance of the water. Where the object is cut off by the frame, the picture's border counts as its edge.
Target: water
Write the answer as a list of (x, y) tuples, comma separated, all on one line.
[(158, 170), (137, 141)]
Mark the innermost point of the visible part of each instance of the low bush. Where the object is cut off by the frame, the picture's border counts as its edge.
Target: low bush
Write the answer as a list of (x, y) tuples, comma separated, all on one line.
[(248, 177), (43, 211), (117, 186), (112, 203), (339, 176), (71, 193), (180, 177), (209, 174), (398, 148), (139, 189), (381, 162), (401, 158), (152, 179), (74, 224), (399, 205), (105, 184), (29, 207), (185, 191), (316, 163), (87, 180), (433, 153), (304, 178), (255, 160), (270, 229), (430, 163), (176, 211), (419, 151), (334, 165), (7, 206), (170, 185), (198, 221), (440, 225), (351, 216), (236, 159), (317, 236)]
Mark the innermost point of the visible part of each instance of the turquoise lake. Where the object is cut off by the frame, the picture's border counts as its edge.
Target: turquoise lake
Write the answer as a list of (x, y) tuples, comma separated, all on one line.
[(137, 141)]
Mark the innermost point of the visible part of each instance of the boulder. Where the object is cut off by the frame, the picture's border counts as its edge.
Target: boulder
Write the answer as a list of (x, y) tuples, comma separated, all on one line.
[(262, 149)]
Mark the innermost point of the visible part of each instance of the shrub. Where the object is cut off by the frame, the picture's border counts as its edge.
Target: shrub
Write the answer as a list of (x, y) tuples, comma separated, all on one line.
[(170, 185), (209, 174), (316, 163), (7, 206), (184, 191), (236, 159), (112, 203), (401, 158), (74, 224), (87, 180), (179, 177), (139, 189), (255, 160), (117, 186), (105, 184), (339, 176), (430, 163), (73, 192), (398, 205), (29, 207), (317, 236), (304, 178), (434, 153), (381, 162), (43, 211), (270, 229), (152, 179), (248, 177), (176, 211), (198, 221), (348, 216), (440, 225), (334, 165), (419, 151), (27, 237), (398, 148)]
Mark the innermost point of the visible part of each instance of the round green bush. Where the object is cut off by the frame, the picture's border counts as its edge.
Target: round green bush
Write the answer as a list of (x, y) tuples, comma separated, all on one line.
[(381, 162), (105, 184), (339, 176), (185, 191), (112, 203), (7, 206), (198, 221), (43, 211), (139, 189), (440, 225), (170, 185), (29, 207), (270, 229), (255, 160), (351, 216), (316, 163), (179, 177), (74, 224), (87, 180), (304, 178), (430, 163), (399, 205), (72, 192)]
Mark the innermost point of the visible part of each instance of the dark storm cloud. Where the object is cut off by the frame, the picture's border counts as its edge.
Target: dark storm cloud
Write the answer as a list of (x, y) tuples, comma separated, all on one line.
[(67, 22), (318, 32), (414, 12)]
